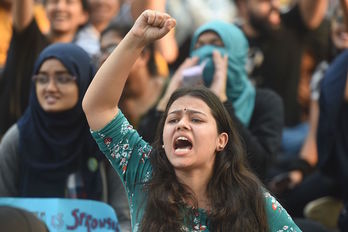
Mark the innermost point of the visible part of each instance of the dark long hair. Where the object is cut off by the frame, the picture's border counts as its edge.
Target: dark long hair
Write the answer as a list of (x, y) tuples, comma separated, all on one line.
[(235, 194)]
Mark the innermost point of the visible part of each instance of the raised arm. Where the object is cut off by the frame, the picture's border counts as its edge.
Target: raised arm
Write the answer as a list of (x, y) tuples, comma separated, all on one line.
[(102, 97), (167, 46), (313, 12), (23, 13)]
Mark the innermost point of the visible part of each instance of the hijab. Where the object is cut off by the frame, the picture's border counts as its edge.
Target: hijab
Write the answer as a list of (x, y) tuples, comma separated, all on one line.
[(333, 122), (54, 145), (239, 89)]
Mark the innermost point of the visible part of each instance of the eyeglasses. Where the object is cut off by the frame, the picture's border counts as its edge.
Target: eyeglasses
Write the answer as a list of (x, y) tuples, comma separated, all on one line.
[(59, 79)]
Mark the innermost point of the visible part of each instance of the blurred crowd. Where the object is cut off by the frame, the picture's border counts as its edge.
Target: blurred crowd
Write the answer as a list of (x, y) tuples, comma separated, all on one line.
[(286, 90)]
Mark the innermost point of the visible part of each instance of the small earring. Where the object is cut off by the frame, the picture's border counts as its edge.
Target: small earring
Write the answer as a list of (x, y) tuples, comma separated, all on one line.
[(163, 146)]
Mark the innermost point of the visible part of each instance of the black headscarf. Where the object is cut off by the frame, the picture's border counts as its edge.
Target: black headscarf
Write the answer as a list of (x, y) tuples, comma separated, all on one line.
[(54, 145), (333, 122)]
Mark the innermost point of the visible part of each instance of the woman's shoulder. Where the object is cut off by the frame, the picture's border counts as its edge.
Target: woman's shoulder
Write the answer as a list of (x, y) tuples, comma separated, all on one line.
[(278, 217), (11, 136), (119, 135), (9, 150), (267, 101), (266, 94)]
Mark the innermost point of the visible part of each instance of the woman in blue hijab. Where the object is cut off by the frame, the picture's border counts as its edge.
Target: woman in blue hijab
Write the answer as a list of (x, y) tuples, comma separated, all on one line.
[(218, 56), (239, 89), (49, 152)]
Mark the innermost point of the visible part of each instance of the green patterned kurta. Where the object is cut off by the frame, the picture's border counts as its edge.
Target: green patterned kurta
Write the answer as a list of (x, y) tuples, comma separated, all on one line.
[(129, 155)]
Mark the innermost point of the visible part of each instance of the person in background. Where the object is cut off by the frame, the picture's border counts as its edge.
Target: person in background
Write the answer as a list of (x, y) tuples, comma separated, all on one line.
[(331, 177), (49, 152), (304, 171), (144, 85), (123, 13), (276, 36), (6, 26), (101, 13), (257, 113), (65, 18), (190, 15), (297, 168), (195, 177), (168, 45)]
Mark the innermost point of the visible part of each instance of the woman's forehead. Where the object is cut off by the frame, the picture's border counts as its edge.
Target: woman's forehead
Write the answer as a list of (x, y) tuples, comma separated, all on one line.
[(209, 35), (52, 64), (189, 103)]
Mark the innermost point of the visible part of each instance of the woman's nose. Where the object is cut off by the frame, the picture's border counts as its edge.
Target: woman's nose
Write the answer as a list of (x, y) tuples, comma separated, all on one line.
[(183, 124), (51, 85), (60, 4)]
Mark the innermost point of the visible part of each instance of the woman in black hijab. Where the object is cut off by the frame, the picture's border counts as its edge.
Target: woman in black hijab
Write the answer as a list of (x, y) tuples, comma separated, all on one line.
[(49, 152), (53, 131)]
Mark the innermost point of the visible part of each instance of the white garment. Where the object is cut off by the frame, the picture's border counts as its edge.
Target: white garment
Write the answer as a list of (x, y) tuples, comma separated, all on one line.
[(88, 38), (317, 77)]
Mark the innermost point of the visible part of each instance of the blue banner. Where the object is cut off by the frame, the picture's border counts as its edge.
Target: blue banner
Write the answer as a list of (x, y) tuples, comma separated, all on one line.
[(76, 215)]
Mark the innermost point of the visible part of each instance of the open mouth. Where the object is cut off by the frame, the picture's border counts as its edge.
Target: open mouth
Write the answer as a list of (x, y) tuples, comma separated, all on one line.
[(182, 144)]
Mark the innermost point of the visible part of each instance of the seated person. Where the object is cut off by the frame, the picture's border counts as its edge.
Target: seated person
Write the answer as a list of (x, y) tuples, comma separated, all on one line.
[(331, 175), (290, 171), (49, 152)]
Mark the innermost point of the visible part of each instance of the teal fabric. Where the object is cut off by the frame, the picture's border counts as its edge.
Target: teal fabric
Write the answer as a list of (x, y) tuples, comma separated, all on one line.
[(129, 155), (239, 89)]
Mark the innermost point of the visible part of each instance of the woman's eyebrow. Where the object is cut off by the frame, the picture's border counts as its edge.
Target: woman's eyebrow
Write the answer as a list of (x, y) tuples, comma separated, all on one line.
[(189, 111), (55, 72), (213, 42), (61, 71)]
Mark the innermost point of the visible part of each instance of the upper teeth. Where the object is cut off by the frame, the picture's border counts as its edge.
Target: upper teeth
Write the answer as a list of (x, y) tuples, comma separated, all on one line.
[(181, 138)]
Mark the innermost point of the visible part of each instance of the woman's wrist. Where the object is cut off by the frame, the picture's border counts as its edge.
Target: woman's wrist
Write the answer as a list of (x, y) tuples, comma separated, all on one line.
[(135, 41)]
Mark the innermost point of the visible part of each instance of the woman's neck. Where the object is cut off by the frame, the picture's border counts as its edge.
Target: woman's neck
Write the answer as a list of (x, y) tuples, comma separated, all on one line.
[(197, 181), (100, 26)]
